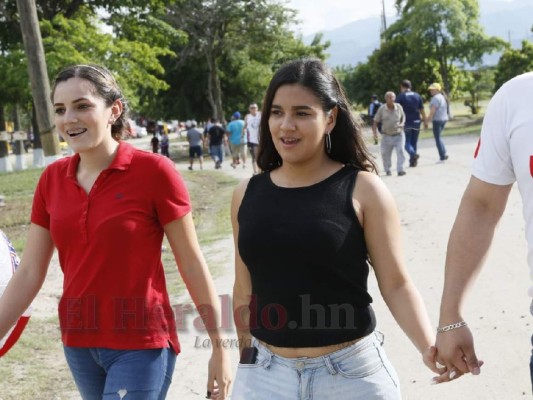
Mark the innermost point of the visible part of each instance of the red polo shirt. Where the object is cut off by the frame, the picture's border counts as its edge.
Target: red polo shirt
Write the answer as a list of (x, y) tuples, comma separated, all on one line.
[(109, 246)]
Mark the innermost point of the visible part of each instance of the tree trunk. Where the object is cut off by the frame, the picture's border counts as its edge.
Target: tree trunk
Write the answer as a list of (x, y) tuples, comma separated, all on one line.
[(3, 144), (214, 95), (35, 128), (16, 117), (40, 86)]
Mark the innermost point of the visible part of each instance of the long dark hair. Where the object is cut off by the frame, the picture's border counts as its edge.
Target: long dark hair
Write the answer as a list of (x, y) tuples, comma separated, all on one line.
[(105, 86), (347, 144)]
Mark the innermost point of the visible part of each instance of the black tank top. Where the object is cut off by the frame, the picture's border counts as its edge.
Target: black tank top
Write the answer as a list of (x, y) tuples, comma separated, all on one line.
[(306, 253)]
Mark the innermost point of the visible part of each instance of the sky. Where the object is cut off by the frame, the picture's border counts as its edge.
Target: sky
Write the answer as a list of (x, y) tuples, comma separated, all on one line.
[(323, 15)]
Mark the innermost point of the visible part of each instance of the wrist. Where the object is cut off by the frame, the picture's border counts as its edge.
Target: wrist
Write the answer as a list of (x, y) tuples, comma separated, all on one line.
[(452, 326)]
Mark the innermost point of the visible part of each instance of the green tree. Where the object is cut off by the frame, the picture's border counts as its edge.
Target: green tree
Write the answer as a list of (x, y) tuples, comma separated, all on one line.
[(447, 31), (72, 33), (80, 40), (238, 44), (386, 68), (514, 62), (476, 84)]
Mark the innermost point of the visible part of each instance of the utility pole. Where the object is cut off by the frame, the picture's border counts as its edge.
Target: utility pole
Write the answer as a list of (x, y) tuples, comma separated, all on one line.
[(383, 20), (40, 85)]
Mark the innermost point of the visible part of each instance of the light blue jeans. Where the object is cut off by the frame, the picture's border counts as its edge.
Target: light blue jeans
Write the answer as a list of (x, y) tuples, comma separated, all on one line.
[(105, 374), (358, 372), (389, 143)]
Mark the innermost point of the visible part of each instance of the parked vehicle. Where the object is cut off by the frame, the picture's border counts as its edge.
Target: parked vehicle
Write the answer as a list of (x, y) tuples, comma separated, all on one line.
[(134, 130)]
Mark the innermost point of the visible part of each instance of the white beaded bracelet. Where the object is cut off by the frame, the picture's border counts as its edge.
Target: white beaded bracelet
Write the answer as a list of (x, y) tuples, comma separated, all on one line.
[(451, 326)]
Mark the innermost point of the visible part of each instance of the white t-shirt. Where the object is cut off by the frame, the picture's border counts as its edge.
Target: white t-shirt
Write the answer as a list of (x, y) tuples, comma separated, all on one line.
[(505, 152), (252, 126)]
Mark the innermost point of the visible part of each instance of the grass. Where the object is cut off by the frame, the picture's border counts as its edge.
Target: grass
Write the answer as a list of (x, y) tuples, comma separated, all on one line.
[(35, 368)]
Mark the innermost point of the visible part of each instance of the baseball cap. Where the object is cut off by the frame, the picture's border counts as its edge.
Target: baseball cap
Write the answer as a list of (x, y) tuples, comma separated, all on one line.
[(236, 115)]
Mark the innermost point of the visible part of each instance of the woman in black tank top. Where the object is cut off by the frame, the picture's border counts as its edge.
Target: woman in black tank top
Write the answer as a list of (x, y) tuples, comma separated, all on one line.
[(306, 231)]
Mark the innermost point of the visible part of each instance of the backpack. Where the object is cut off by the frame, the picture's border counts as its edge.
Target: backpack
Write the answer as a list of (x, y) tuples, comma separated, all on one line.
[(377, 105)]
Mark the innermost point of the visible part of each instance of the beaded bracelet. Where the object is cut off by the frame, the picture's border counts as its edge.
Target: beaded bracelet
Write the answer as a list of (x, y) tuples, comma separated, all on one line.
[(451, 326)]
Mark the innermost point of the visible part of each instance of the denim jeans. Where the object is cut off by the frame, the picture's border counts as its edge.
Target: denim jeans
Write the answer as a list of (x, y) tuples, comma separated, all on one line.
[(438, 127), (531, 364), (105, 374), (360, 371), (217, 152), (412, 130), (389, 143)]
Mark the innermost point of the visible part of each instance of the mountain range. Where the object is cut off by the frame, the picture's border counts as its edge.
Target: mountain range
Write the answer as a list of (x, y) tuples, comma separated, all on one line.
[(354, 42)]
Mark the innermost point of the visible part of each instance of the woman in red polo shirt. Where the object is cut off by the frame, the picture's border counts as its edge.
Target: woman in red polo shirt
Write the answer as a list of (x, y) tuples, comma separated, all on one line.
[(106, 210)]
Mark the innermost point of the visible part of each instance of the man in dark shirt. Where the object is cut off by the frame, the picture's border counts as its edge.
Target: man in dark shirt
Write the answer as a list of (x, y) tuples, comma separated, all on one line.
[(216, 137), (372, 111), (413, 107)]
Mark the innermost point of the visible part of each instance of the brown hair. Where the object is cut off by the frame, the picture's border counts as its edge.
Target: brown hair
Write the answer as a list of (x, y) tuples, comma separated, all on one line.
[(105, 86)]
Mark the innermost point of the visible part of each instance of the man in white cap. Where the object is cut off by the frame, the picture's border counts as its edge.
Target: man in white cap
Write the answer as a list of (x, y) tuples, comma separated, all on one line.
[(438, 115)]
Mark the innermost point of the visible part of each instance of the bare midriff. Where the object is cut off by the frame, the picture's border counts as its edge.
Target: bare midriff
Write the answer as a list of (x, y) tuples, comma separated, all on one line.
[(309, 352)]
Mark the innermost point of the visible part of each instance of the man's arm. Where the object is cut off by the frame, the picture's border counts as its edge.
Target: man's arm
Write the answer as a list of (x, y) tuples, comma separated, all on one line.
[(481, 208), (375, 131), (424, 119)]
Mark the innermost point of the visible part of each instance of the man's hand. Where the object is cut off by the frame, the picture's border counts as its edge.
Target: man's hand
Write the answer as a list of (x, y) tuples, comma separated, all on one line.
[(455, 350)]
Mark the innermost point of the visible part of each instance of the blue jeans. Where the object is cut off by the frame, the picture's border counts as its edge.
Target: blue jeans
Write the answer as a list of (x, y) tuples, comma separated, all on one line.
[(438, 127), (217, 152), (412, 130), (105, 374), (360, 371)]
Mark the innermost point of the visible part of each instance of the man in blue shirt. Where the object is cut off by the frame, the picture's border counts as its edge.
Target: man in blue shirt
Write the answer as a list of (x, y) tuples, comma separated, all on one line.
[(413, 107), (235, 130)]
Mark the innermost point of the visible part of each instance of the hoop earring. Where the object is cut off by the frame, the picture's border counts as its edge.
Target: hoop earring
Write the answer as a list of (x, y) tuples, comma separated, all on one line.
[(328, 143)]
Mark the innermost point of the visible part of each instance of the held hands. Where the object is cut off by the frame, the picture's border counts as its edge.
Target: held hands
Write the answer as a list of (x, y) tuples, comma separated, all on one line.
[(454, 352), (219, 375)]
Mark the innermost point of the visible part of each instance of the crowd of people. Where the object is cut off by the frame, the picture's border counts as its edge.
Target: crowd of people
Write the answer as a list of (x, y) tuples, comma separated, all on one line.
[(399, 121), (307, 231)]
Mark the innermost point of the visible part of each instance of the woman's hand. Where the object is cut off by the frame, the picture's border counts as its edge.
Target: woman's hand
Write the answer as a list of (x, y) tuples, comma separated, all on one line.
[(429, 356), (219, 374)]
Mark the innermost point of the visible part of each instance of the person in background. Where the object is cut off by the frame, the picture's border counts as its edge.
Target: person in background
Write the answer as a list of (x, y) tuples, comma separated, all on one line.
[(195, 139), (372, 111), (252, 122), (106, 210), (216, 140), (235, 130), (306, 231), (502, 157), (438, 115), (392, 118), (165, 143), (413, 107), (155, 143)]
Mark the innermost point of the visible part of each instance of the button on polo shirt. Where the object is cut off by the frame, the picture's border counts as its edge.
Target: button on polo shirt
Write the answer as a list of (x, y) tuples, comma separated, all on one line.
[(109, 246)]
